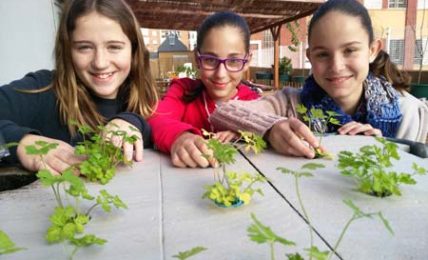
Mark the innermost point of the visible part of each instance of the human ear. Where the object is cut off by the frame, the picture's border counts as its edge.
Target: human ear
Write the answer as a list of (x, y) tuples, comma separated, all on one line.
[(308, 54), (249, 58), (375, 47)]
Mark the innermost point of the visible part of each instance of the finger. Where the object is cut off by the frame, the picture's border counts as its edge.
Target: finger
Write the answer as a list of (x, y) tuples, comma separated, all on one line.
[(297, 147), (176, 161), (373, 132), (346, 128), (139, 150), (128, 151), (199, 157), (186, 158), (300, 129)]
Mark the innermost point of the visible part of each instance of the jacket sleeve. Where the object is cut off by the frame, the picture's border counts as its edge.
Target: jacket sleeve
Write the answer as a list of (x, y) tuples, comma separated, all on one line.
[(140, 123), (166, 122), (256, 116), (18, 109), (414, 125)]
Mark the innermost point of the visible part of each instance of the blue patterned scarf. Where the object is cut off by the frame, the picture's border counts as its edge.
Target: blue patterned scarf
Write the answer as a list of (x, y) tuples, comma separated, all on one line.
[(379, 107)]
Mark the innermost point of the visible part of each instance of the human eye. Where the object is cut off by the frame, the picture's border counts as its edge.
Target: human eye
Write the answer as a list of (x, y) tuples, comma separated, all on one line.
[(350, 51), (83, 47), (210, 60), (115, 47), (321, 55)]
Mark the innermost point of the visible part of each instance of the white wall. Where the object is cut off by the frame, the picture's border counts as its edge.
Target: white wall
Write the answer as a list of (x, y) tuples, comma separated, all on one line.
[(27, 37)]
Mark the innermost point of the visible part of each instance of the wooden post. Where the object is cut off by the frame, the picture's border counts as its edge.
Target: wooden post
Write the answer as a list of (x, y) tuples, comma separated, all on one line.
[(275, 35), (410, 34)]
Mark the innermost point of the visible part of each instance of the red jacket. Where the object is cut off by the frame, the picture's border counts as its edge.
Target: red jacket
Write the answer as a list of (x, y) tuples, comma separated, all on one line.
[(173, 116)]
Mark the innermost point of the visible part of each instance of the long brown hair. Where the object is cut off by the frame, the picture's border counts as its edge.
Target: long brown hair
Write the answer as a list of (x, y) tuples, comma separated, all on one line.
[(74, 100)]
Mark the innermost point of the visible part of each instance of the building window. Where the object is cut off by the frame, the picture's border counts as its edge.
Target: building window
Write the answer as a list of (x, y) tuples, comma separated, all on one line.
[(396, 51), (421, 52), (397, 3)]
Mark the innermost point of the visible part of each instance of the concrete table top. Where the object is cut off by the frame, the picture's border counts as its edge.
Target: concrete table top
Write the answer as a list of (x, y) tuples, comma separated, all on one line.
[(166, 213), (323, 196)]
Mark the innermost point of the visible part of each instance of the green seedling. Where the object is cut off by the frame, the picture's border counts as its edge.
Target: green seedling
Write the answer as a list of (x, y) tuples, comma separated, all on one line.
[(7, 246), (231, 188), (369, 167), (318, 122), (189, 253), (69, 219), (297, 175), (263, 234), (103, 156)]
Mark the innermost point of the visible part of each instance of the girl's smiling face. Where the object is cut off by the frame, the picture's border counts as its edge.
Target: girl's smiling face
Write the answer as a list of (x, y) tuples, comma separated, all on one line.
[(101, 54), (340, 53), (223, 42)]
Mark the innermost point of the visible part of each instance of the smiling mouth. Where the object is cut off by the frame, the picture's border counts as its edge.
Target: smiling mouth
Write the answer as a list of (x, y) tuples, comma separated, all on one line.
[(338, 79), (102, 75)]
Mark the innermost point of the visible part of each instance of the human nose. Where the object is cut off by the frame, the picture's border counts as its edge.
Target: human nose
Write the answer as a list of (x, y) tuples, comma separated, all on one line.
[(337, 63), (100, 60), (221, 69)]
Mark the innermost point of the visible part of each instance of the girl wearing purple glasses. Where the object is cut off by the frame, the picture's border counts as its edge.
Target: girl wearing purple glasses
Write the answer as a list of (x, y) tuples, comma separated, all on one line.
[(222, 55)]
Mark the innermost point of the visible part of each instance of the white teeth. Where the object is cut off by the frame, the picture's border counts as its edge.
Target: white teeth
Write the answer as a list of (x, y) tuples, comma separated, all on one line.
[(103, 76)]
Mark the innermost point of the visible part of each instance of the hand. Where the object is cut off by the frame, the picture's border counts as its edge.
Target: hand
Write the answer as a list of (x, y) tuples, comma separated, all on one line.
[(130, 150), (56, 160), (286, 137), (188, 150), (354, 128), (226, 136)]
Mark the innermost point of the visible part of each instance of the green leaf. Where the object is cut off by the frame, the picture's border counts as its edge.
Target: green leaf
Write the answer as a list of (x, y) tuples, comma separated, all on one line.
[(260, 233), (312, 166), (317, 254), (188, 253), (7, 246)]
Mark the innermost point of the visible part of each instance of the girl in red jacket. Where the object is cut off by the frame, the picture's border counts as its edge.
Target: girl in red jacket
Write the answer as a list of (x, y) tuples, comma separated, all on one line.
[(222, 54)]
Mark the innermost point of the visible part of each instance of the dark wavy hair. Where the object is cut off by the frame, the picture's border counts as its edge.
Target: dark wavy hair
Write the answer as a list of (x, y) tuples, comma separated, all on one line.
[(382, 65)]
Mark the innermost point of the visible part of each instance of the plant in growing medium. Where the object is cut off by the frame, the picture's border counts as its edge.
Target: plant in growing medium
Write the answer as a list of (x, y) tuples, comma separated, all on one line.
[(318, 122), (231, 188), (260, 233), (369, 168), (69, 218)]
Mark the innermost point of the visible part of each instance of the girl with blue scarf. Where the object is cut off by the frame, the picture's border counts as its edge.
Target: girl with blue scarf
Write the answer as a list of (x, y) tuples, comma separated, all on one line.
[(351, 76)]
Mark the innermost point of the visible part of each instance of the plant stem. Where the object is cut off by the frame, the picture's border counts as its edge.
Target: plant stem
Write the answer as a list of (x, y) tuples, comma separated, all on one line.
[(272, 251), (341, 236), (91, 208), (299, 197)]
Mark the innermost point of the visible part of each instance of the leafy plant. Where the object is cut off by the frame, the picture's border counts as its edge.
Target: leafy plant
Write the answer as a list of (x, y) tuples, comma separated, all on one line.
[(189, 253), (7, 246), (318, 122), (285, 66), (263, 234), (369, 169), (231, 188), (68, 220), (102, 155)]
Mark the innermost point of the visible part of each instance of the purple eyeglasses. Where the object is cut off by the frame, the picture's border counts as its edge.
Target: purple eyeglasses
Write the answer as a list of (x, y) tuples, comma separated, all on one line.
[(209, 62)]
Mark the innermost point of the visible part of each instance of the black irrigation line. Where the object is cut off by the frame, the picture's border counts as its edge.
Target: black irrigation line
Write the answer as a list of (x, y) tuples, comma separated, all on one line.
[(288, 202)]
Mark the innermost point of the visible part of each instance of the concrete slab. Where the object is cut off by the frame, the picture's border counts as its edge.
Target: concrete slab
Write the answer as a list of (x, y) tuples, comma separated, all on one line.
[(189, 221), (323, 194), (132, 234)]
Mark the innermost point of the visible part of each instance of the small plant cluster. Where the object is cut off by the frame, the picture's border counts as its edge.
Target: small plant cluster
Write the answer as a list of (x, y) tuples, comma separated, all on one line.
[(101, 159), (231, 188), (68, 220), (7, 246), (369, 168), (102, 156), (318, 122), (261, 233)]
